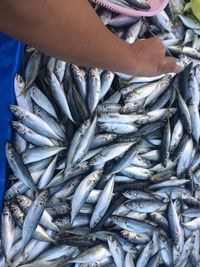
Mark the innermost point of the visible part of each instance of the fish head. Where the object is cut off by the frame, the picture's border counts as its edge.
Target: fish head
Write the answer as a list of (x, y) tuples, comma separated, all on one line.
[(23, 201), (96, 176), (143, 120), (128, 107), (6, 211), (83, 166), (43, 197), (93, 73), (33, 89), (18, 111), (110, 75), (85, 125), (75, 69), (166, 79), (116, 219), (9, 194), (127, 234), (156, 215), (37, 109), (75, 181), (19, 79), (110, 238), (19, 127), (93, 160), (19, 83), (13, 109), (9, 150), (16, 211)]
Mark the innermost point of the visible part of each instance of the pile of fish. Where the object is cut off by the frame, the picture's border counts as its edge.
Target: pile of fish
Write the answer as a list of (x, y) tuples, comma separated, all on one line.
[(105, 167)]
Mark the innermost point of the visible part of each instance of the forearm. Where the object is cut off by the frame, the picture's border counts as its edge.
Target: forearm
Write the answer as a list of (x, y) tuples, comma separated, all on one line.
[(68, 29)]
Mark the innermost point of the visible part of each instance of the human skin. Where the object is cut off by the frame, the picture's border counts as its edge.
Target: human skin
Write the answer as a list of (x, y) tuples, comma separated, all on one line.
[(72, 31)]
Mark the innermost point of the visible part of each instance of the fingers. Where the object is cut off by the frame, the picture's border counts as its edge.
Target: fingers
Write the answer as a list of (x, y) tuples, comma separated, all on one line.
[(169, 65)]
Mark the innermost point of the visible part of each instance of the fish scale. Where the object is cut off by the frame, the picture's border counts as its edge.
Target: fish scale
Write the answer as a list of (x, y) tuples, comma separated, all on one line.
[(123, 181)]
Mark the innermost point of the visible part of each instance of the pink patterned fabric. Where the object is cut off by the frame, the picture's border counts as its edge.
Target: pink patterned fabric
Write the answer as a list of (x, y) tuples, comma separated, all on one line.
[(156, 7)]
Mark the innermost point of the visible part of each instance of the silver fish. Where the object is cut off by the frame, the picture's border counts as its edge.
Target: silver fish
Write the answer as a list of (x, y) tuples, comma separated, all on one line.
[(102, 203), (116, 251), (58, 93), (34, 122), (42, 100), (33, 217), (109, 153), (175, 227), (92, 254), (30, 135), (32, 67), (18, 167), (146, 206), (7, 231), (82, 192), (94, 89)]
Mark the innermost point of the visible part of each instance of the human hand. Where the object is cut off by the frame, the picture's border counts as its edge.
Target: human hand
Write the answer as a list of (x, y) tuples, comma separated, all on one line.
[(150, 59)]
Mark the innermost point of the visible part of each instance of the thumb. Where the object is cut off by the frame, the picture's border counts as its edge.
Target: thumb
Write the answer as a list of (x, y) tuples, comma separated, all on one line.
[(169, 65)]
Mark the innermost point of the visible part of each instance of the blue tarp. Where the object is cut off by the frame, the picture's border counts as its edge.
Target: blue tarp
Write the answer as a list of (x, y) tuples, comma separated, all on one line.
[(10, 64)]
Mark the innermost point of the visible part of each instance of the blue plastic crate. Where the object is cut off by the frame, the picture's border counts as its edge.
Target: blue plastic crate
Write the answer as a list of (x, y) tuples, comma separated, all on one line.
[(10, 64)]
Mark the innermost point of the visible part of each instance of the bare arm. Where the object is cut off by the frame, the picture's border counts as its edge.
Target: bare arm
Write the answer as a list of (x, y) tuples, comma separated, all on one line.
[(71, 30)]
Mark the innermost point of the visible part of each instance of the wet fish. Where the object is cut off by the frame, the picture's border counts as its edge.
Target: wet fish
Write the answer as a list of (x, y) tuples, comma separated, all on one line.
[(82, 192), (33, 217), (32, 67), (102, 203), (18, 167), (116, 251), (7, 231)]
